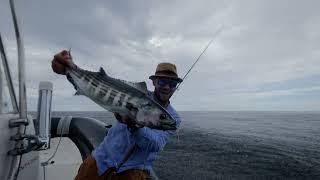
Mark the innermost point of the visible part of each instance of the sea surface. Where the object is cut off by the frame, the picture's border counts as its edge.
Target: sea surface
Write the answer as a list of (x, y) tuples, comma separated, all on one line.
[(237, 145)]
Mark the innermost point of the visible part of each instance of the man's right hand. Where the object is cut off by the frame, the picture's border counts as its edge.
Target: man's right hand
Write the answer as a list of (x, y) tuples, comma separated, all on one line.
[(122, 119), (126, 120), (61, 61)]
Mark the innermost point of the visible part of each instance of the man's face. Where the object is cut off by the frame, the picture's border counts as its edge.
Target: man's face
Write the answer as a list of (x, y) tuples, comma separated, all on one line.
[(164, 88)]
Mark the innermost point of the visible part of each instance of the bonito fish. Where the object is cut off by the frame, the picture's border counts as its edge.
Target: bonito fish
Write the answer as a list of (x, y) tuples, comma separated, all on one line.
[(125, 98)]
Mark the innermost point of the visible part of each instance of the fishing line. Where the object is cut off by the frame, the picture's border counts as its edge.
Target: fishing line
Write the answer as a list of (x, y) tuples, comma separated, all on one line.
[(184, 77), (46, 163), (203, 51)]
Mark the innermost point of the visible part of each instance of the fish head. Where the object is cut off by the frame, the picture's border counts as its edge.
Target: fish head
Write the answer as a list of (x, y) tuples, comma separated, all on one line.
[(154, 116)]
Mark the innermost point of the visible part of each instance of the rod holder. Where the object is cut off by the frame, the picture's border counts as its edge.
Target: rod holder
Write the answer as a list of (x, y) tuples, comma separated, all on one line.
[(43, 121)]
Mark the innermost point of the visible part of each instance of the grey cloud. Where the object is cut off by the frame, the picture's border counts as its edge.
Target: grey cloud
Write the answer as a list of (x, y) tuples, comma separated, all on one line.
[(261, 42)]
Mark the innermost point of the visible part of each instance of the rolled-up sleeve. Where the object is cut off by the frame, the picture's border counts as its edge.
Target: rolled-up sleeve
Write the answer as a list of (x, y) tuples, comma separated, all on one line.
[(150, 139), (154, 140)]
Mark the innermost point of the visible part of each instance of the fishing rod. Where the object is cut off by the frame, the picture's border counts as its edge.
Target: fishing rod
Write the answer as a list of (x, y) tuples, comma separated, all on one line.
[(203, 51)]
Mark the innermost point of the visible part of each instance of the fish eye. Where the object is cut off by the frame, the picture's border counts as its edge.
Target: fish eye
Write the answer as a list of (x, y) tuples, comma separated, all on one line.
[(163, 116), (131, 107)]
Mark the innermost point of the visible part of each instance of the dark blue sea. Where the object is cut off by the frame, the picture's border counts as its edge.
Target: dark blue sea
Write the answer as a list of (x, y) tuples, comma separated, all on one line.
[(238, 145)]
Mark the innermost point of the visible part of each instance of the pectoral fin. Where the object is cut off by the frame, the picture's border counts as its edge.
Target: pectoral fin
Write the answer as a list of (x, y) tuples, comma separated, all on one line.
[(78, 93)]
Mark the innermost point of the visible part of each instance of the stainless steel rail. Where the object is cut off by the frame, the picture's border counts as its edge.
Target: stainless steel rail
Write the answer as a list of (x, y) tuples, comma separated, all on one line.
[(21, 62), (1, 101), (15, 163), (7, 73)]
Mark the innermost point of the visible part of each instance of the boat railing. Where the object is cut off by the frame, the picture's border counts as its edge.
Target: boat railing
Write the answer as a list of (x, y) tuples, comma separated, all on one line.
[(7, 73), (33, 141), (85, 139)]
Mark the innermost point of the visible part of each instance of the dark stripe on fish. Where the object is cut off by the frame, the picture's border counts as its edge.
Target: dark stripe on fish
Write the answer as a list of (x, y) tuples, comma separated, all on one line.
[(112, 95), (105, 82), (121, 100)]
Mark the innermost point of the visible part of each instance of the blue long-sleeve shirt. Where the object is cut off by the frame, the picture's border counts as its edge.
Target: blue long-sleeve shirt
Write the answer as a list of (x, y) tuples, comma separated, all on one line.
[(119, 139)]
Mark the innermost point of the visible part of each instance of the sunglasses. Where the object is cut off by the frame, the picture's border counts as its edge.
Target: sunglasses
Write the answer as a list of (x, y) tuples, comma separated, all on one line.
[(163, 82)]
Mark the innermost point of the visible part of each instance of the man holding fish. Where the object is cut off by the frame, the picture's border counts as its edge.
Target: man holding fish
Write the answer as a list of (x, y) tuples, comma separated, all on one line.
[(145, 119)]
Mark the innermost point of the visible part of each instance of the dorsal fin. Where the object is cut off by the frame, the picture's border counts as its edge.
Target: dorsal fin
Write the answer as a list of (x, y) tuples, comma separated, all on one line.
[(102, 72), (142, 86)]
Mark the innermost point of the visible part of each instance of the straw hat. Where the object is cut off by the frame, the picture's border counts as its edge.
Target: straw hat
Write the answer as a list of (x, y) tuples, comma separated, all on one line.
[(166, 70)]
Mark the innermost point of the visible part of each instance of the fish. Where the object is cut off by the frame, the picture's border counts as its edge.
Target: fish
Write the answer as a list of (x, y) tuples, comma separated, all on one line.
[(123, 97)]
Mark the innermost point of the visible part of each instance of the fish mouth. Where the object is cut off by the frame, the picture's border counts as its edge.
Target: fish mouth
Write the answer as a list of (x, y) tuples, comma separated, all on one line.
[(168, 125)]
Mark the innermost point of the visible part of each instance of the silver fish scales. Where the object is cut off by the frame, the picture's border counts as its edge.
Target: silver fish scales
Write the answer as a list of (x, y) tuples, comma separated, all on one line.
[(125, 98)]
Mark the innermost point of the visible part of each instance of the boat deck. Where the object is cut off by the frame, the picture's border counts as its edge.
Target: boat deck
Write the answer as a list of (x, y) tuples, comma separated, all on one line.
[(66, 161)]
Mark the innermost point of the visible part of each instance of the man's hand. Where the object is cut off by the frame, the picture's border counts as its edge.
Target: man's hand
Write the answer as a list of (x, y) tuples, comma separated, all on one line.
[(125, 120), (122, 119), (61, 61)]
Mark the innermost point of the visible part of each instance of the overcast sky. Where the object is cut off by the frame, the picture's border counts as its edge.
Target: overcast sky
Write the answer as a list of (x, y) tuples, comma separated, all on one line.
[(266, 56)]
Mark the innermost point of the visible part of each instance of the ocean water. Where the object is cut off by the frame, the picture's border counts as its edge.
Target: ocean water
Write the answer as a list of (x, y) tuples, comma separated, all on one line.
[(238, 145)]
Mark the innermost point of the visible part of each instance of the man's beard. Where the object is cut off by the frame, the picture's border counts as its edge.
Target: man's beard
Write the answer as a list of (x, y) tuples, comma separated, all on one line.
[(162, 97)]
